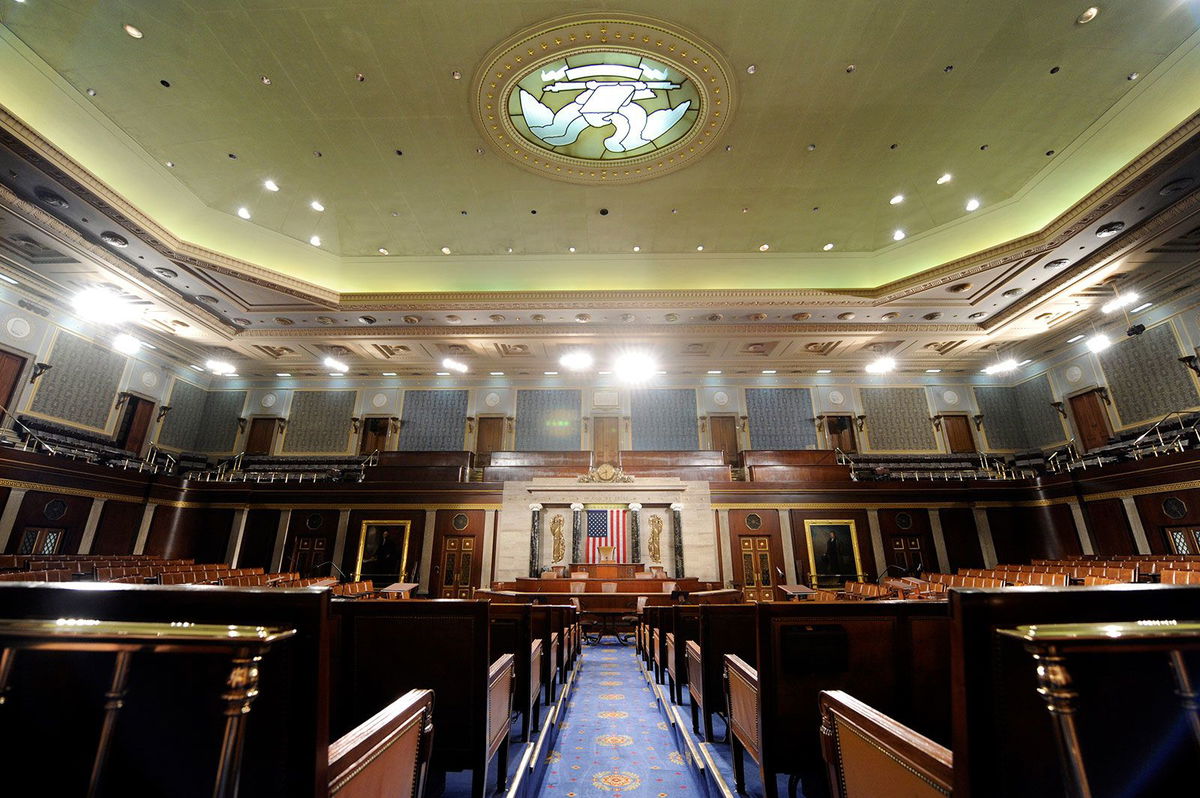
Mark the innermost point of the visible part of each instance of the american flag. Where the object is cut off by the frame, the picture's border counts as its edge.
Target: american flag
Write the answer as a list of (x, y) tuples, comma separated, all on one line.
[(606, 528)]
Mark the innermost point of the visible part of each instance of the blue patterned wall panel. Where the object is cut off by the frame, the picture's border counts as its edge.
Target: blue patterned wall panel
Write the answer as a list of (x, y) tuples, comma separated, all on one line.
[(218, 433), (898, 419), (664, 419), (548, 421), (1001, 419), (180, 427), (434, 421), (82, 386), (1145, 378), (781, 418), (1043, 424), (319, 421)]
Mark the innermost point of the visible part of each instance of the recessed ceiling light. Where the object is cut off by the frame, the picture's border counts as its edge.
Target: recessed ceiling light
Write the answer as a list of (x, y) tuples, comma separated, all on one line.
[(126, 344), (194, 366), (933, 371), (570, 249), (944, 179), (456, 75), (170, 164), (103, 306), (445, 250), (132, 31), (827, 247), (316, 206), (898, 235), (881, 365), (577, 361), (1132, 76), (550, 373), (769, 371), (1088, 15), (336, 365), (388, 374), (1074, 339), (824, 371), (972, 204), (699, 247), (509, 250), (752, 68), (764, 247), (637, 249), (1003, 367), (714, 371), (1099, 342), (383, 251), (91, 92), (243, 212), (1141, 307), (496, 373), (219, 367), (315, 241), (11, 281), (896, 200), (337, 374), (265, 79), (442, 373), (1125, 300), (635, 366), (455, 365), (270, 185), (283, 374)]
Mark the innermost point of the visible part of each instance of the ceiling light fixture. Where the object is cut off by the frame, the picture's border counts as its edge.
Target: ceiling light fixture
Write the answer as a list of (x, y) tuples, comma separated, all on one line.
[(933, 371), (1125, 300), (824, 371), (944, 179), (445, 250), (550, 373), (455, 365), (764, 247), (1087, 16), (496, 373), (283, 374), (316, 206), (336, 365), (1138, 309), (219, 367), (243, 212), (126, 344), (103, 306), (827, 247), (8, 279), (699, 247), (570, 249), (1099, 342), (270, 185), (265, 79), (637, 249), (132, 31), (898, 235), (194, 366), (1075, 338), (577, 361), (896, 200), (635, 366), (170, 164), (972, 204), (337, 374), (442, 373), (769, 371), (714, 371), (1003, 367), (383, 251), (315, 241), (881, 365)]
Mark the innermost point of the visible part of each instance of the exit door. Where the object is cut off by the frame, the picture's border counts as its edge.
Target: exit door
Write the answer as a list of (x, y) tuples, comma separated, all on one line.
[(758, 569)]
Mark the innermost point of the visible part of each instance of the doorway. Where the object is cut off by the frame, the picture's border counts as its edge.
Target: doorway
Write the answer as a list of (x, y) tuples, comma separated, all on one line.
[(757, 567), (374, 434), (489, 438), (262, 436), (910, 552), (11, 368), (1091, 420), (840, 432), (958, 434), (453, 577), (135, 424), (606, 439), (723, 430), (308, 552)]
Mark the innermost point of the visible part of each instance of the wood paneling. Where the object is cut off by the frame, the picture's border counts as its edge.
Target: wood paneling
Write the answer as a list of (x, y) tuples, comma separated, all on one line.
[(489, 437), (199, 533), (959, 438), (310, 539), (135, 424), (35, 512), (374, 434), (450, 539), (840, 431), (907, 540), (116, 532), (606, 438), (1091, 420), (262, 435), (11, 367), (1155, 519), (1109, 528), (749, 542), (962, 539), (723, 430), (1020, 534), (258, 539), (861, 529)]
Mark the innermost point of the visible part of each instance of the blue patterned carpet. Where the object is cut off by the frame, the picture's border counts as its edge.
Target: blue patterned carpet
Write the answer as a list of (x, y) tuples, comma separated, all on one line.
[(613, 740)]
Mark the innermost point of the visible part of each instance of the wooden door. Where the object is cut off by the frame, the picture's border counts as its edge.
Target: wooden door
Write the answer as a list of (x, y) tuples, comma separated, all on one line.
[(374, 435), (958, 434), (262, 436), (453, 578), (757, 567), (308, 551), (489, 438), (135, 424), (606, 438), (11, 368), (724, 436), (1091, 421), (910, 552), (840, 431)]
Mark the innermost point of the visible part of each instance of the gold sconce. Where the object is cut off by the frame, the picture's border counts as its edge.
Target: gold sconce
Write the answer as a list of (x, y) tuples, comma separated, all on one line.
[(820, 420), (393, 425), (162, 412), (241, 425), (860, 422), (703, 422), (978, 422), (743, 422), (355, 424), (508, 422), (38, 370), (470, 424), (122, 398), (1059, 408), (1103, 392), (1191, 362), (936, 421), (282, 422)]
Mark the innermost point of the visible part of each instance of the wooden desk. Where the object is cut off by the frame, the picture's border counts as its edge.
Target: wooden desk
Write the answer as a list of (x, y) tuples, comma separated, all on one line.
[(609, 570), (609, 619), (636, 586)]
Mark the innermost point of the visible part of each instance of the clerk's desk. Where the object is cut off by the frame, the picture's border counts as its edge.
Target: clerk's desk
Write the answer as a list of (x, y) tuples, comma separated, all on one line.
[(526, 584)]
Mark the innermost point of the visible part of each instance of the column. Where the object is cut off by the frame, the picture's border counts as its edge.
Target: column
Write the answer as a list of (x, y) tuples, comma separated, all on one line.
[(877, 543), (339, 544), (535, 540), (724, 547), (490, 519), (426, 571), (1085, 540), (139, 546), (1131, 513), (285, 520), (12, 506), (576, 532), (89, 528), (984, 528), (677, 539), (789, 549), (635, 532), (939, 542), (237, 529)]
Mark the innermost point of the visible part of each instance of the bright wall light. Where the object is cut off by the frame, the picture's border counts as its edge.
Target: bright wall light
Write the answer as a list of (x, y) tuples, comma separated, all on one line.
[(577, 361), (1003, 367), (219, 367), (881, 366), (336, 365), (103, 305), (454, 365), (126, 344), (1099, 342), (635, 367), (1123, 301)]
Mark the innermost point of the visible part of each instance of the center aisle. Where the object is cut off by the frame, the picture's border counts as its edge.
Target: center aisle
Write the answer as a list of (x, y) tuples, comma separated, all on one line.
[(613, 739)]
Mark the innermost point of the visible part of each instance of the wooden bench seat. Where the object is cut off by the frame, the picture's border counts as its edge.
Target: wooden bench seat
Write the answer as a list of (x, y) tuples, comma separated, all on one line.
[(388, 754), (512, 632), (720, 630)]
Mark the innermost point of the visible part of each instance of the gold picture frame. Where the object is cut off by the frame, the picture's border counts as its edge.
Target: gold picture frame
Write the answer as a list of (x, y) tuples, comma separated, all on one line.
[(823, 573), (371, 537)]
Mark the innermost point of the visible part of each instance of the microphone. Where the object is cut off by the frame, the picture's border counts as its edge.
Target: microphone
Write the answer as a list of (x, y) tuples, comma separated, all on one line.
[(332, 563)]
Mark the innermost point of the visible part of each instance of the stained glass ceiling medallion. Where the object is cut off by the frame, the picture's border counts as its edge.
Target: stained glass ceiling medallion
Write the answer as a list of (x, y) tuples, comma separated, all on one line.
[(603, 101)]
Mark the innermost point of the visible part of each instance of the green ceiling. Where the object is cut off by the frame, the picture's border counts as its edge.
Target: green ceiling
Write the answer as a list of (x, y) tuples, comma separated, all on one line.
[(1000, 93)]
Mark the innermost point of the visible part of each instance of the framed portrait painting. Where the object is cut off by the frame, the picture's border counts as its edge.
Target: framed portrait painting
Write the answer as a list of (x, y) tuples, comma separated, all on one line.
[(383, 552), (833, 557)]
